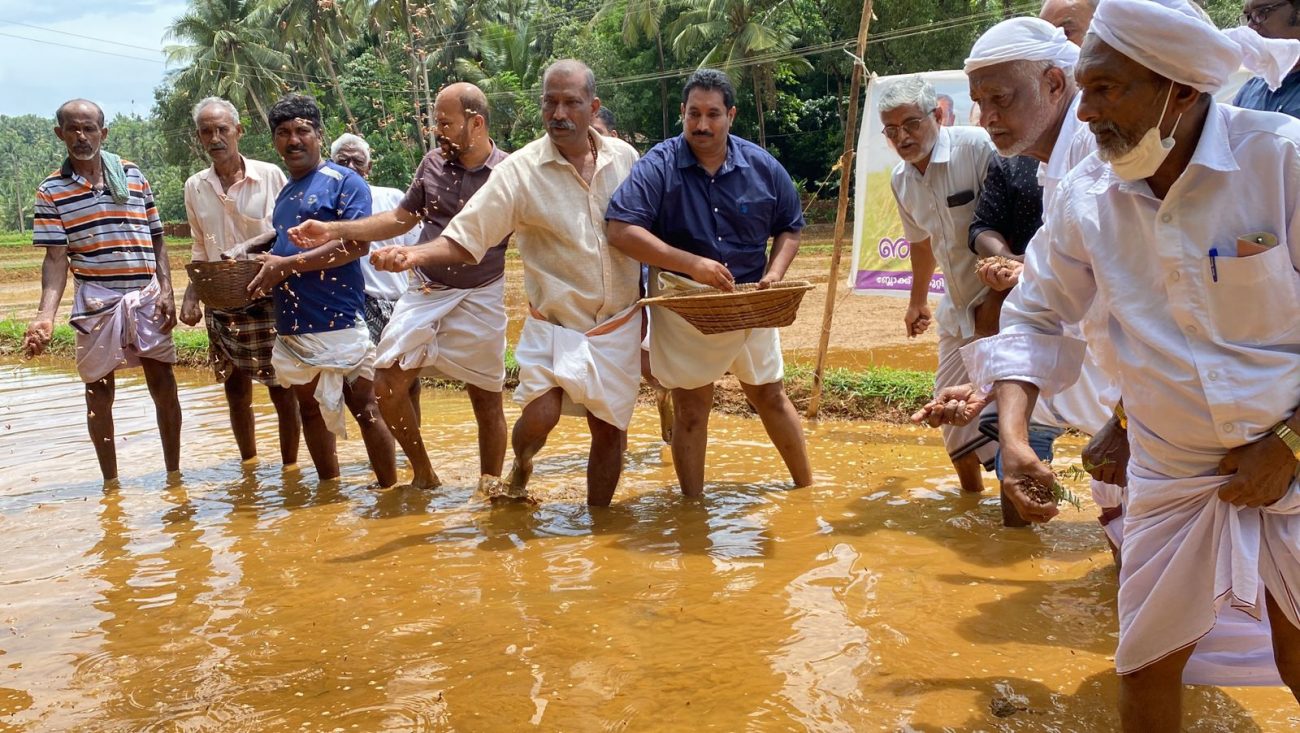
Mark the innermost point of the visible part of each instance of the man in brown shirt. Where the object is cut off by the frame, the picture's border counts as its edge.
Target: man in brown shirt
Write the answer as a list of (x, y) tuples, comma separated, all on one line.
[(452, 321)]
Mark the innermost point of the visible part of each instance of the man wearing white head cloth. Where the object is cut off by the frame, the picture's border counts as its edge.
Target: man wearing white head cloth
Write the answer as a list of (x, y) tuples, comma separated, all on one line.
[(1184, 228), (1021, 75)]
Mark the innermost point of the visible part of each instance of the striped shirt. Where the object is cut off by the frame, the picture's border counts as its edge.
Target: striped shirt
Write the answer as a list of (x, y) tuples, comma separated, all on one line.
[(108, 243)]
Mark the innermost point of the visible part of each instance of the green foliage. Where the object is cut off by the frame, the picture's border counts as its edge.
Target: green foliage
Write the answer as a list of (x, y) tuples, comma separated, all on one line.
[(375, 65)]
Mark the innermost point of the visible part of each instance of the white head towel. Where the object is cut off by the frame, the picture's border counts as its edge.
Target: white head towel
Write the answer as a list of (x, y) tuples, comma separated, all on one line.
[(1173, 39), (1022, 39)]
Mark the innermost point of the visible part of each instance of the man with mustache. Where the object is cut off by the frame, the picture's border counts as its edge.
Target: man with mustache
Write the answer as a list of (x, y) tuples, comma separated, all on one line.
[(451, 322), (936, 185), (95, 217), (1021, 75), (322, 349), (1183, 229), (701, 208), (229, 204), (578, 352)]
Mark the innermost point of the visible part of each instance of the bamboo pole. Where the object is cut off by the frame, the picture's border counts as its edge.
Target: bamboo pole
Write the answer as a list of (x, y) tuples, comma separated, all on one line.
[(841, 213)]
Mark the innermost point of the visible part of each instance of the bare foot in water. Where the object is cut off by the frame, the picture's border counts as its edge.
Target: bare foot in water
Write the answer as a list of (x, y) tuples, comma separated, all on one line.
[(514, 488), (425, 482)]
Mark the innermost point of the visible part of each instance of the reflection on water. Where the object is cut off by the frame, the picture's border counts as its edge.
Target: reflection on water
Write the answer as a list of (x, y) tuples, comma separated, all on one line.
[(253, 598)]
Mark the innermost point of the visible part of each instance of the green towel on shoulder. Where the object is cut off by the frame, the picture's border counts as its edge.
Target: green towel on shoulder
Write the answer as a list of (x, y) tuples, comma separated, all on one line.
[(114, 177)]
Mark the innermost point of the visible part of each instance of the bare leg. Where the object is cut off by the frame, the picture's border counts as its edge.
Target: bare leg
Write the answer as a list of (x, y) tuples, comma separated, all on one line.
[(605, 461), (691, 436), (167, 407), (970, 473), (415, 400), (1151, 699), (491, 419), (360, 398), (239, 400), (529, 435), (1286, 646), (99, 420), (320, 441), (781, 421), (393, 390), (286, 413)]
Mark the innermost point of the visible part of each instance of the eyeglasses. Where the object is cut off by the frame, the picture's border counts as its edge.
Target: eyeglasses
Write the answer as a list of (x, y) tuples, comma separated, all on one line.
[(911, 127), (1259, 15)]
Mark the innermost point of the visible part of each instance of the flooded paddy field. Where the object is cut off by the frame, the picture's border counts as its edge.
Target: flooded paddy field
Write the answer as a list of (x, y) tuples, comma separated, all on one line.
[(251, 598)]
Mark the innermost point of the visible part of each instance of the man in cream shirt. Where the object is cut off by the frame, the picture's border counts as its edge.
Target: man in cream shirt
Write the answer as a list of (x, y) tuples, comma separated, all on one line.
[(579, 352), (230, 204)]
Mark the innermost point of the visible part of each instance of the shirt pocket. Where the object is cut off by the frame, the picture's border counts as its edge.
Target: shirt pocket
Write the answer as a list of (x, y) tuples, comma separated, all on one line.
[(753, 218), (1253, 300)]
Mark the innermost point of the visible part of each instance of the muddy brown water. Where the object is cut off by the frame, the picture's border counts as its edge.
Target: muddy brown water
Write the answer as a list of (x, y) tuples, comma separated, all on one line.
[(248, 598)]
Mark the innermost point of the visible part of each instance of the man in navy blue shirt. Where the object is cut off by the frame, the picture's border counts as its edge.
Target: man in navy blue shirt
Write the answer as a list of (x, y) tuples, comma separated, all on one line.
[(322, 348), (1272, 19), (701, 207)]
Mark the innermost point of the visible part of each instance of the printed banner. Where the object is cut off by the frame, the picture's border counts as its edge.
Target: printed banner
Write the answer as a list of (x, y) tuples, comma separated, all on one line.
[(881, 264)]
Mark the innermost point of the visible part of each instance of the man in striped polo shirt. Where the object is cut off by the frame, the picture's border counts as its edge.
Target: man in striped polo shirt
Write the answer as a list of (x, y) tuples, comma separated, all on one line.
[(96, 217)]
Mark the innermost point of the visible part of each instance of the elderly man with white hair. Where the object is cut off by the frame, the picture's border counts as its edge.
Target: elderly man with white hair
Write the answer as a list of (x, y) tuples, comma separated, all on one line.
[(1021, 75), (228, 205), (936, 185), (383, 289), (1184, 229)]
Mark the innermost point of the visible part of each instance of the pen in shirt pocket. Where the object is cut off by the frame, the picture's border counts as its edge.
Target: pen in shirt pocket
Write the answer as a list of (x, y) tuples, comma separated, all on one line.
[(1214, 267)]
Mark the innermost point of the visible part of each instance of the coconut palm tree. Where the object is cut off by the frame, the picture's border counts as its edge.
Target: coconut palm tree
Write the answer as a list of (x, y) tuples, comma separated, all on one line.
[(226, 49), (643, 19), (319, 29), (744, 37)]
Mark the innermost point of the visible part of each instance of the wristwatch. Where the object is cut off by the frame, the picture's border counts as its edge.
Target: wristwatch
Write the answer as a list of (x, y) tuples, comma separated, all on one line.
[(1288, 436)]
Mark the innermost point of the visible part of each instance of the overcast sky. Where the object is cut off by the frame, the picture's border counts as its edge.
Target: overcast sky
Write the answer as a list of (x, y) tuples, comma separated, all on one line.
[(54, 50)]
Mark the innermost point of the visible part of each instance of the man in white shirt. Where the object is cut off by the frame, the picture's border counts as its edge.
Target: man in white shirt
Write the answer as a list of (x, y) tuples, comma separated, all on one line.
[(383, 289), (229, 204), (936, 185), (1184, 229)]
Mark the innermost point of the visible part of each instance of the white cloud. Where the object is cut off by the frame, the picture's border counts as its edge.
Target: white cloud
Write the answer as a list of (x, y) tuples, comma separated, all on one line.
[(115, 57)]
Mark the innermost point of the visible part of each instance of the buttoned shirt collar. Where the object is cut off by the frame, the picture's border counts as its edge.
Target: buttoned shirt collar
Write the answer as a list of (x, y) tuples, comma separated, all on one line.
[(1212, 152), (735, 156), (209, 174), (550, 153)]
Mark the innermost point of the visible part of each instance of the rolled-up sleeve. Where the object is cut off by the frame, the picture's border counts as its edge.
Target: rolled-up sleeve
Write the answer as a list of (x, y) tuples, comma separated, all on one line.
[(788, 214), (1056, 287), (491, 213)]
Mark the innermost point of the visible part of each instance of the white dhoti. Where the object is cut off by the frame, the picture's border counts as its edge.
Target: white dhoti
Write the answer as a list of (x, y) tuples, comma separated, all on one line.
[(599, 371), (1191, 560), (117, 330), (681, 357), (336, 357), (449, 333), (965, 439)]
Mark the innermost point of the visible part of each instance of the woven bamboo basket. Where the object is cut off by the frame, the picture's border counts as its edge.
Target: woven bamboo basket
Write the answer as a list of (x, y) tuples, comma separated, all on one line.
[(223, 284), (715, 311)]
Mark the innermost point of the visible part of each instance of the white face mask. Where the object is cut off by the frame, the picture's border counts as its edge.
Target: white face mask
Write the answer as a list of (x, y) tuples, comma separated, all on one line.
[(1145, 158)]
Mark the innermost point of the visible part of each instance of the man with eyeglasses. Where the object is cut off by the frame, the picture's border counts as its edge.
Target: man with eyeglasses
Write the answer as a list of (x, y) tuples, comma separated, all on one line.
[(936, 185), (1272, 19)]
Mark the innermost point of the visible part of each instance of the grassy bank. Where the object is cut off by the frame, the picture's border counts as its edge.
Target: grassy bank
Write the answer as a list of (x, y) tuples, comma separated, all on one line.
[(876, 393)]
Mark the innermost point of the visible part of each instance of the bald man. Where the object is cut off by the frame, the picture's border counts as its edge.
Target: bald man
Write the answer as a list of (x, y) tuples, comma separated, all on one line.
[(451, 322), (1071, 16)]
